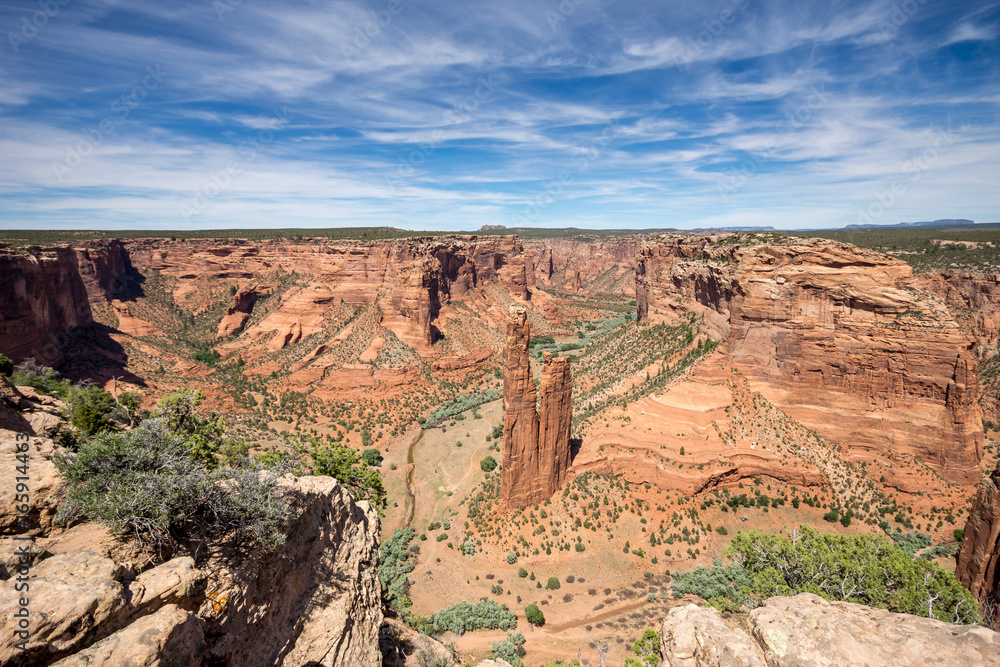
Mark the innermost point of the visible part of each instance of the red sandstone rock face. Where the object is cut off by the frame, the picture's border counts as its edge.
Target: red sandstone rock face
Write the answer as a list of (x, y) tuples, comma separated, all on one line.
[(238, 314), (602, 264), (536, 452), (979, 556), (556, 413), (410, 279), (838, 337)]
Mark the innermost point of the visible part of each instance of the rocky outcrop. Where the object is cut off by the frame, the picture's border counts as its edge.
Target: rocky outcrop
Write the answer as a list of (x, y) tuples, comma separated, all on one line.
[(555, 417), (520, 419), (806, 630), (536, 450), (237, 315), (836, 336), (315, 600), (978, 565)]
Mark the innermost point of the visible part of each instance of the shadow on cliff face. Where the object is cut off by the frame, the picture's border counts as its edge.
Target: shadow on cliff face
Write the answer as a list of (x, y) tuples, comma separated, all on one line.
[(92, 354), (574, 448)]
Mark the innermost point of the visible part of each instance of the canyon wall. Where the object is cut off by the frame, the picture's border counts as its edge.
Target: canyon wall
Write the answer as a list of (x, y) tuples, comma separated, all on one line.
[(48, 292), (840, 338), (978, 565), (599, 264), (536, 448), (410, 279)]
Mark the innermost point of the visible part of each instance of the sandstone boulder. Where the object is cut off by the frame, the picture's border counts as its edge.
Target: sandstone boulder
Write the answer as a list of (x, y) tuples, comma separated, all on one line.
[(805, 630)]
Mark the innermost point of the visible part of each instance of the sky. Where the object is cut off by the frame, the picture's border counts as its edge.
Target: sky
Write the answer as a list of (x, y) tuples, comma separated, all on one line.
[(448, 115)]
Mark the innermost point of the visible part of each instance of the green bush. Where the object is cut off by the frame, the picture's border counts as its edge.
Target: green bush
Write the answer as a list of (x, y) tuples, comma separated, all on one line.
[(396, 561), (145, 483), (647, 647), (959, 534), (6, 365), (488, 464), (911, 542), (509, 649), (867, 569), (458, 405), (534, 615), (511, 558), (464, 616), (553, 584), (346, 466), (372, 457), (521, 572), (712, 582)]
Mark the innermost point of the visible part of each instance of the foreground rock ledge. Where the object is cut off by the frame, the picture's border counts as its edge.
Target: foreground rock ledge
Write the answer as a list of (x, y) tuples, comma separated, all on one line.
[(806, 630), (314, 601)]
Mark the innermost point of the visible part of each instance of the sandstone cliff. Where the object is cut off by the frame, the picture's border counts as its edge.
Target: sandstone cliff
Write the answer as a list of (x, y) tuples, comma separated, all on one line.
[(536, 450), (49, 292), (978, 565), (838, 337), (806, 630), (410, 279), (597, 264)]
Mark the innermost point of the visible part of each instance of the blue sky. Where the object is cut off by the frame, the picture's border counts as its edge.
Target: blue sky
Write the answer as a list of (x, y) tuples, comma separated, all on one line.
[(452, 115)]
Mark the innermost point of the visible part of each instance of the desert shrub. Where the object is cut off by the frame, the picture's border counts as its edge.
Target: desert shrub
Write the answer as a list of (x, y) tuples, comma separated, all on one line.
[(553, 583), (372, 457), (910, 542), (534, 615), (464, 616), (458, 405), (396, 561), (6, 365), (647, 647), (959, 533), (509, 649), (146, 483), (511, 558), (580, 547), (43, 379), (521, 572), (867, 569), (468, 548), (346, 466), (207, 357), (719, 580), (488, 464)]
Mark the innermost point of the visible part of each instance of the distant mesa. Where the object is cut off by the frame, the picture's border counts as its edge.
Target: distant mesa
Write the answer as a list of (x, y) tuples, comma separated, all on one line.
[(536, 447), (492, 228)]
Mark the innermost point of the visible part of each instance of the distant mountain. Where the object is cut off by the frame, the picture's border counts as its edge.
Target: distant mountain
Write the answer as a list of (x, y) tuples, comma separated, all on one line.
[(932, 223)]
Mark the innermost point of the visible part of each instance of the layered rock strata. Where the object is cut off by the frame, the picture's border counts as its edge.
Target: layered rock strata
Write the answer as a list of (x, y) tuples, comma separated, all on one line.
[(978, 565), (838, 337), (536, 448)]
